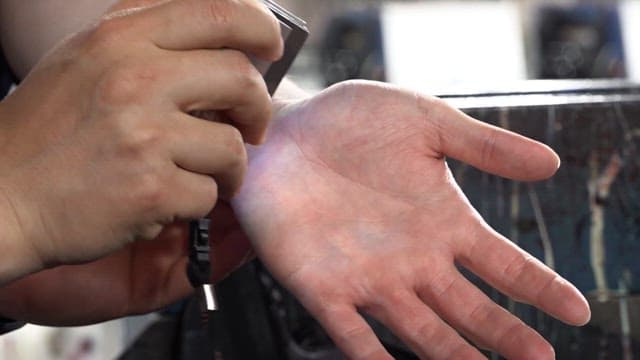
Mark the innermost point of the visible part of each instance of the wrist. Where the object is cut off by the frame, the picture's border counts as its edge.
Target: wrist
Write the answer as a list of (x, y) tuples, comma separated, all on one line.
[(19, 256)]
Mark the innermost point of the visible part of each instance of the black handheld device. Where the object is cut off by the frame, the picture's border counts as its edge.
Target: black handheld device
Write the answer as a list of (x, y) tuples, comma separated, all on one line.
[(294, 32)]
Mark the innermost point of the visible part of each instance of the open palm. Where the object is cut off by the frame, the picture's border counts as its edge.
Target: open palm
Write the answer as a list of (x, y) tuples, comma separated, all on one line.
[(351, 205)]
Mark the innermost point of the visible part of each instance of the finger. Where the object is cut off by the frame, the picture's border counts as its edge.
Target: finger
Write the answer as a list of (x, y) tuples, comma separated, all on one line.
[(245, 25), (211, 148), (421, 329), (490, 148), (191, 196), (471, 312), (223, 80), (521, 276), (350, 332)]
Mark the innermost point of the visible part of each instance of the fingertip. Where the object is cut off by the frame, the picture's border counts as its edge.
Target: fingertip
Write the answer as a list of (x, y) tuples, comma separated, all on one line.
[(581, 314), (252, 136), (277, 52), (271, 53), (575, 308), (552, 162), (533, 162), (276, 49)]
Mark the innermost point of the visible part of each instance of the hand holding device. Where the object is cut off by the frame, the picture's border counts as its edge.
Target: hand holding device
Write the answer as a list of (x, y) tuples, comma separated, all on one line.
[(294, 33), (99, 149)]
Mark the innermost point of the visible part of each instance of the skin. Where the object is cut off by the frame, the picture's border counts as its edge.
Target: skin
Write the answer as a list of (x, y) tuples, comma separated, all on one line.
[(101, 157), (350, 204)]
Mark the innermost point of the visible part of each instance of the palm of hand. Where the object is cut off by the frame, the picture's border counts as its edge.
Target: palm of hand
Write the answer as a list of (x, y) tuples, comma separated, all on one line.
[(351, 206), (338, 179)]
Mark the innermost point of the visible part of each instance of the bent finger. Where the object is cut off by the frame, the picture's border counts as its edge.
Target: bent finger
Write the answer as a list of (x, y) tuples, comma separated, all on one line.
[(224, 81), (246, 25), (211, 148), (192, 196)]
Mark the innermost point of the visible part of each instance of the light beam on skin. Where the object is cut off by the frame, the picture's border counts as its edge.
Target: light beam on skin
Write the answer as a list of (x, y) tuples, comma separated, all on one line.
[(599, 186)]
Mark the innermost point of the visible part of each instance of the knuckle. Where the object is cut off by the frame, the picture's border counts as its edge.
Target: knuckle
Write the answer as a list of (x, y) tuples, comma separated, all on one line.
[(148, 232), (353, 332), (488, 147), (511, 334), (211, 197), (207, 198), (274, 36), (220, 13), (518, 268), (547, 287), (138, 142), (105, 33), (442, 342), (396, 295), (442, 284), (480, 314), (235, 188), (463, 351), (126, 85), (234, 143), (150, 192), (429, 331), (235, 160), (247, 77)]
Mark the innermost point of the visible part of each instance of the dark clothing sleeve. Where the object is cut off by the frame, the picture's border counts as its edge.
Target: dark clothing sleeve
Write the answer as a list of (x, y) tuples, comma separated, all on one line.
[(6, 77)]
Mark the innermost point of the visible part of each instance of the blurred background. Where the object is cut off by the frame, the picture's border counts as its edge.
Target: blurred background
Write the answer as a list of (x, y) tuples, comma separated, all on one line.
[(440, 45), (564, 72)]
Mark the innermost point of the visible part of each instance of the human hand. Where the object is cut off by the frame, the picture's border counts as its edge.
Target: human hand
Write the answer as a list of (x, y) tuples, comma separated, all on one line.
[(98, 145), (351, 205), (142, 277)]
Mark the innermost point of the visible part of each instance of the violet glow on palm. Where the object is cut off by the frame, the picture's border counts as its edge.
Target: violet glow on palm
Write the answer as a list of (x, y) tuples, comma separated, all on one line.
[(351, 206)]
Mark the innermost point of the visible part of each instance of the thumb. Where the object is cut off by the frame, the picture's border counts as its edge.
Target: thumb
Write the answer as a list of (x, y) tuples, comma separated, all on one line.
[(491, 148)]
